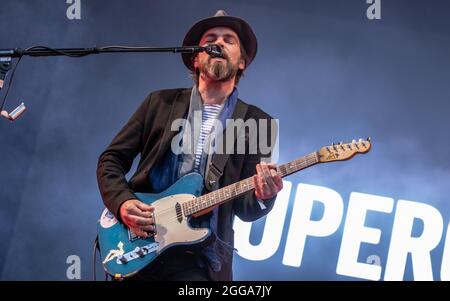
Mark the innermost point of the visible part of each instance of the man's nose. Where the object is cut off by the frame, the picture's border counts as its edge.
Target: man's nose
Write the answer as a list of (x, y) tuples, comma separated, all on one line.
[(220, 42)]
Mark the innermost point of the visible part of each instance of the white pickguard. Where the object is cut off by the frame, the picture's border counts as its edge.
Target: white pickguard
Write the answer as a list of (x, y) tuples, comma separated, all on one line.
[(169, 231)]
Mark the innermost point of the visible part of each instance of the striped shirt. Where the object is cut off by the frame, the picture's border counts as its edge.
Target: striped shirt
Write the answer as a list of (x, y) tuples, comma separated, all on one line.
[(209, 115)]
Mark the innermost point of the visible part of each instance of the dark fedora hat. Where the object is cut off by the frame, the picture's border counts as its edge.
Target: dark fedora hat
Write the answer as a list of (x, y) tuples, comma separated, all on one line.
[(221, 19)]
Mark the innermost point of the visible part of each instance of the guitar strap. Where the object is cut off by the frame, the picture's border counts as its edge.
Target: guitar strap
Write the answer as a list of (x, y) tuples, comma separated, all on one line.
[(217, 163)]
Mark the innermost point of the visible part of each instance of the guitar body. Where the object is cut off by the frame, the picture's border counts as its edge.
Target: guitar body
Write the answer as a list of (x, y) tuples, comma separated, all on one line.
[(123, 253)]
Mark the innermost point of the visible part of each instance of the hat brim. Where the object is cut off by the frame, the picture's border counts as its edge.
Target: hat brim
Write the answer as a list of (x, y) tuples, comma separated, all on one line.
[(242, 29)]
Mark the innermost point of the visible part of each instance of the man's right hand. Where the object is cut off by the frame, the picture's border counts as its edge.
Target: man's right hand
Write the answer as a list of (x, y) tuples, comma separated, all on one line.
[(138, 217)]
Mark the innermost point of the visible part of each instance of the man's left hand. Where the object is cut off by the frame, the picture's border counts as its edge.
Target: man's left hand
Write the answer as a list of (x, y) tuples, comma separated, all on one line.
[(267, 181)]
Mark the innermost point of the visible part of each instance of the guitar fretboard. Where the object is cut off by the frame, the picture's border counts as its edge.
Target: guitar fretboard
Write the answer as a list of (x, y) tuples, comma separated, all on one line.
[(232, 191)]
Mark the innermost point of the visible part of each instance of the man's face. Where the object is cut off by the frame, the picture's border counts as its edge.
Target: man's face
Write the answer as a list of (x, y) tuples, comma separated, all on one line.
[(225, 68)]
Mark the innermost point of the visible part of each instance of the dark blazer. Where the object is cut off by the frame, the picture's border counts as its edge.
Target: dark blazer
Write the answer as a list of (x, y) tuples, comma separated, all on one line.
[(148, 132)]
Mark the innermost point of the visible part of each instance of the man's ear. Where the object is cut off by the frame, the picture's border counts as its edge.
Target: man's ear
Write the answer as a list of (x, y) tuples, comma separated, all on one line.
[(242, 64), (195, 61)]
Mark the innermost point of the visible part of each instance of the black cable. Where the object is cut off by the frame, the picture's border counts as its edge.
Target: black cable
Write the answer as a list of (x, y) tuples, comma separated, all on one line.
[(94, 257), (122, 47), (18, 61), (55, 51)]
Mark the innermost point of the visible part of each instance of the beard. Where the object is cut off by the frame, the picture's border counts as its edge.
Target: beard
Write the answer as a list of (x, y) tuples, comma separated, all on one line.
[(219, 70)]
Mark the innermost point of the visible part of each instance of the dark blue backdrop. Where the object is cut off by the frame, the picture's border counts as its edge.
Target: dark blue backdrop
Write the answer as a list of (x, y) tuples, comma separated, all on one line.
[(323, 69)]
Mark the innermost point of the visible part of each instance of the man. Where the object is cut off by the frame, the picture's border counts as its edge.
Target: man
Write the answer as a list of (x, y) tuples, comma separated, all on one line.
[(149, 133)]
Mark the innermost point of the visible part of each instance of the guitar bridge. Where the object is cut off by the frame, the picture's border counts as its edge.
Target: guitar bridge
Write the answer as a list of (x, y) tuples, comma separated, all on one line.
[(138, 252)]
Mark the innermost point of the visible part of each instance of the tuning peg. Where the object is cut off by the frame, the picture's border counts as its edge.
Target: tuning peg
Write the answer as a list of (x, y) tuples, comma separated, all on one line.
[(334, 147), (360, 140), (368, 139), (353, 141)]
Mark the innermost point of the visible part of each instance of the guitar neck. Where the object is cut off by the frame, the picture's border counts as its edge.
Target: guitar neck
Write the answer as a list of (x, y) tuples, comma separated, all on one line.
[(206, 202)]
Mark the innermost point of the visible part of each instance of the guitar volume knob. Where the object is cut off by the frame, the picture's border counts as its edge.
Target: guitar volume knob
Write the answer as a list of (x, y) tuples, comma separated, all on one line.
[(140, 251), (123, 259)]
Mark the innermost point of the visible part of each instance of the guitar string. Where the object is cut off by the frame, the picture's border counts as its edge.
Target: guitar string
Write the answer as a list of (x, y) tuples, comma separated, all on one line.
[(289, 168), (297, 166), (197, 207)]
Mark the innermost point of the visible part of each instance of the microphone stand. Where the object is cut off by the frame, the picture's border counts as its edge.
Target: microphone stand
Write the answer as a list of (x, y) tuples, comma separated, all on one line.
[(6, 56), (79, 52)]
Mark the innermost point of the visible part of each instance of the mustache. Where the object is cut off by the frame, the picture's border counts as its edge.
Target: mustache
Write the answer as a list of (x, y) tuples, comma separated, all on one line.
[(224, 56)]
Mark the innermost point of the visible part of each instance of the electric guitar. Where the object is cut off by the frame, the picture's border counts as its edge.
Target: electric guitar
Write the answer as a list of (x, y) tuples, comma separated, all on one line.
[(123, 253)]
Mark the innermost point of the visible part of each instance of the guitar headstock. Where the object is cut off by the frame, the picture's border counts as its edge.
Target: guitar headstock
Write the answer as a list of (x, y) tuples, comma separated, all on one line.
[(344, 151)]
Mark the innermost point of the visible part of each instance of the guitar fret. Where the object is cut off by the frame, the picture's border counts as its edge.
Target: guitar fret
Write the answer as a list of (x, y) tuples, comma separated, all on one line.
[(216, 195), (233, 190)]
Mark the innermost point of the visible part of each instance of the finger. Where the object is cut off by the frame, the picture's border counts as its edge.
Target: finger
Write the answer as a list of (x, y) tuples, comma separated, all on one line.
[(271, 191), (264, 188), (139, 232), (262, 182), (271, 165), (258, 191), (261, 178), (278, 182), (134, 210), (269, 187), (259, 170), (144, 206), (268, 176), (150, 228), (146, 214), (273, 173), (276, 178), (140, 221)]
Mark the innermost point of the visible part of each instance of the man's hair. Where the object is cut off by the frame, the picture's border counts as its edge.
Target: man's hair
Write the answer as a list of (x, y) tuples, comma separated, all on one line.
[(195, 74)]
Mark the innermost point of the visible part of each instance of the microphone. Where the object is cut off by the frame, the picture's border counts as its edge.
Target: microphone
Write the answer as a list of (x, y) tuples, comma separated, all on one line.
[(213, 50)]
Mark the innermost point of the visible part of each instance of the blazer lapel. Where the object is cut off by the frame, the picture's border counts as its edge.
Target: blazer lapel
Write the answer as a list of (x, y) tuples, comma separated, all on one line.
[(178, 110)]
